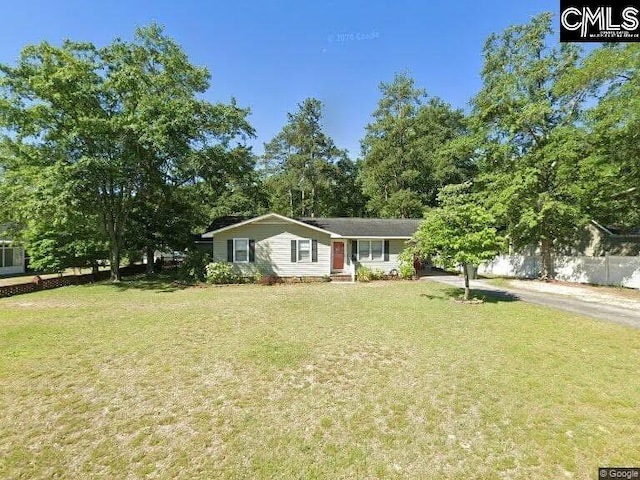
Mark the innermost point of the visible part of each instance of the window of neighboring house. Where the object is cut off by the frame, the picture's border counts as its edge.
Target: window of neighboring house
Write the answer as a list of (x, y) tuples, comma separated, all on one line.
[(304, 250), (241, 250), (370, 249), (7, 257)]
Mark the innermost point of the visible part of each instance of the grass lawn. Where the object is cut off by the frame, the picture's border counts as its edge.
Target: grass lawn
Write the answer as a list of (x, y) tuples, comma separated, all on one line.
[(386, 379)]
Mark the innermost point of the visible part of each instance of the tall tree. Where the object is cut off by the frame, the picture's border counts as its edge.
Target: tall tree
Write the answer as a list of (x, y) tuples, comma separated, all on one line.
[(304, 169), (346, 198), (118, 126), (244, 195), (405, 162), (611, 172), (532, 147)]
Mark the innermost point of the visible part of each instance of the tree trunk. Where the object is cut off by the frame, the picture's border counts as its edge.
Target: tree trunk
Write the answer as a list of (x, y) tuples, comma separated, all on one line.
[(115, 262), (290, 203), (465, 267), (313, 201), (303, 210), (547, 260), (94, 270), (150, 259)]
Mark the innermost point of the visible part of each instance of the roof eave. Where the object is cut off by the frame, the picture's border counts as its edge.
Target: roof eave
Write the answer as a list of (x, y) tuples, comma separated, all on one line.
[(365, 237), (263, 217)]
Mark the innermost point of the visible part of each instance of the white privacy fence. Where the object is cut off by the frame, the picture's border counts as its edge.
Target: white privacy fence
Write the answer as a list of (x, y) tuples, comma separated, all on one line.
[(608, 270)]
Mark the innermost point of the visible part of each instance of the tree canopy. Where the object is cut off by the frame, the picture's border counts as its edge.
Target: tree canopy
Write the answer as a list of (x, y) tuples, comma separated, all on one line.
[(405, 159), (120, 131), (305, 173), (611, 75), (531, 145)]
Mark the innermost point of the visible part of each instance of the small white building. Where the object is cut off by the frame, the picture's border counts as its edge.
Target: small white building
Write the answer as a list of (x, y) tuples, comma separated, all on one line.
[(11, 258)]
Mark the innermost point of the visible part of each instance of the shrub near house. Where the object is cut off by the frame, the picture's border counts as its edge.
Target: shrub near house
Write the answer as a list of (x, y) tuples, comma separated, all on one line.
[(222, 273)]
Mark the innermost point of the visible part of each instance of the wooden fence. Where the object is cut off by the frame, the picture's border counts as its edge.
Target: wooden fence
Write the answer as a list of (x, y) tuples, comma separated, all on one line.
[(38, 284)]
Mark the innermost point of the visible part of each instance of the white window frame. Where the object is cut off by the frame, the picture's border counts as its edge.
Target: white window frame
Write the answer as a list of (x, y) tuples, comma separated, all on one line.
[(4, 246), (309, 259), (381, 258), (370, 256), (234, 250)]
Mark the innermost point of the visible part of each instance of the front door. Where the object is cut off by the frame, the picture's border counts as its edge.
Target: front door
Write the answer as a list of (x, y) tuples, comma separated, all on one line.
[(338, 255)]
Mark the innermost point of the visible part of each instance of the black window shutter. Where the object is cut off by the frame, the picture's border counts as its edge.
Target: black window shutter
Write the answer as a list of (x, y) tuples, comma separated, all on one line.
[(354, 250), (294, 251), (314, 250), (386, 250), (230, 250), (252, 250)]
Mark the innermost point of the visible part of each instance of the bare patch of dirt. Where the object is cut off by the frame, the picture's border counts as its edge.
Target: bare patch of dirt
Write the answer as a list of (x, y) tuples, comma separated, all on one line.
[(471, 301)]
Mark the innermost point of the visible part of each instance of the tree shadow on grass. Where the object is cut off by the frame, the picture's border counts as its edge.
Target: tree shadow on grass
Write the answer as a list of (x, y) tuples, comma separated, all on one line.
[(432, 297), (487, 296), (155, 283)]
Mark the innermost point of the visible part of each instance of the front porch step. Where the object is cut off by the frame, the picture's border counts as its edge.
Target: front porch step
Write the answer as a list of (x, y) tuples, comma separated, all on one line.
[(340, 277)]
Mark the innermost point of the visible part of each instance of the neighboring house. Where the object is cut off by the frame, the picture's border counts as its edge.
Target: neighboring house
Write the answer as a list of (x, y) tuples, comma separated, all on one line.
[(600, 255), (307, 247), (11, 258), (597, 240)]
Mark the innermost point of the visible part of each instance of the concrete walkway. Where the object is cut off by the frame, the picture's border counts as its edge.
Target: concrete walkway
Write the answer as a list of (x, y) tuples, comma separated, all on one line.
[(625, 312)]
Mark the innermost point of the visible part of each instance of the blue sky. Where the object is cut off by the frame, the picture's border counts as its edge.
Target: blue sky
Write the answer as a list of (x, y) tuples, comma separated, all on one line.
[(272, 55)]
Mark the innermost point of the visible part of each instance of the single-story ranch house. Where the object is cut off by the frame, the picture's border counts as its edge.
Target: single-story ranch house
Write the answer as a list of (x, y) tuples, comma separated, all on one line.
[(307, 247)]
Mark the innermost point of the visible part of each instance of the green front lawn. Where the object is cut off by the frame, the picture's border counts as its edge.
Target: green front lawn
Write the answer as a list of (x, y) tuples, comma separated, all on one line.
[(387, 379)]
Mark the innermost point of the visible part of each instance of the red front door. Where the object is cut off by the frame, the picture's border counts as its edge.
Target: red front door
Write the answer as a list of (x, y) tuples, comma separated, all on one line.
[(338, 255)]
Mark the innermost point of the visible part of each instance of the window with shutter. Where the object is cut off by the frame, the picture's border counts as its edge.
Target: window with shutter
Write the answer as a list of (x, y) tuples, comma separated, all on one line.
[(252, 250), (304, 250), (240, 250)]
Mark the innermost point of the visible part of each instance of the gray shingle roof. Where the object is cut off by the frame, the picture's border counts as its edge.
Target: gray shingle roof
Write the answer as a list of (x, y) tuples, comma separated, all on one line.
[(343, 226), (222, 222), (366, 227)]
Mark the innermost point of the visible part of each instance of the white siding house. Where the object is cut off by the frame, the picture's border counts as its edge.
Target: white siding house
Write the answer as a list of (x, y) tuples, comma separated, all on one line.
[(271, 241), (11, 258), (307, 247)]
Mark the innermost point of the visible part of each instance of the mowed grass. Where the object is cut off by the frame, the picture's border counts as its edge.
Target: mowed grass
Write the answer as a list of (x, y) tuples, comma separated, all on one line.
[(387, 379)]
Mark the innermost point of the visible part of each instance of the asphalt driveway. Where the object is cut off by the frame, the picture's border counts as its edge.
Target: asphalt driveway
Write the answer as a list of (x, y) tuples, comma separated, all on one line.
[(623, 312)]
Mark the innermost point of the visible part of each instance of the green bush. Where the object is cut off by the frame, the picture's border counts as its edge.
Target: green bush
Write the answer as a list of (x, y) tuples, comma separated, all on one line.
[(258, 276), (364, 274), (377, 274), (194, 266), (406, 270), (222, 273)]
